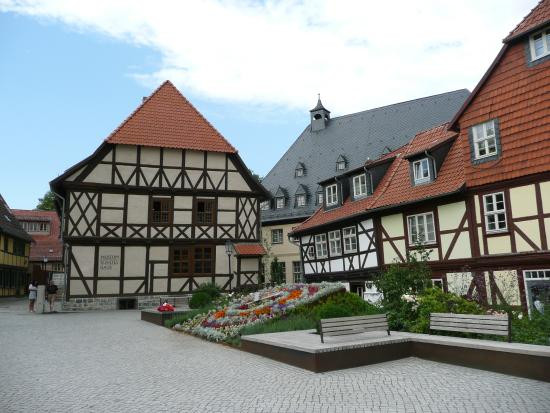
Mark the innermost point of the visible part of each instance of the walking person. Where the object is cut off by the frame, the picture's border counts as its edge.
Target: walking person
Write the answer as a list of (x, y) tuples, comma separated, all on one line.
[(33, 291), (52, 293)]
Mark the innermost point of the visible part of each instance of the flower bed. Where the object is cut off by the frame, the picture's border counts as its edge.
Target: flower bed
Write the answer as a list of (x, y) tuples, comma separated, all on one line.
[(223, 323)]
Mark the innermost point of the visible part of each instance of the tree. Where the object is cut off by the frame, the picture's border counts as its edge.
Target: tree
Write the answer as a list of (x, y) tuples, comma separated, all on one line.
[(257, 177), (47, 203), (277, 275)]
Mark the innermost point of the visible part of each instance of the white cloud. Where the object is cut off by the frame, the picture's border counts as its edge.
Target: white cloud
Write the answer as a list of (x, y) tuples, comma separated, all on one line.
[(356, 53)]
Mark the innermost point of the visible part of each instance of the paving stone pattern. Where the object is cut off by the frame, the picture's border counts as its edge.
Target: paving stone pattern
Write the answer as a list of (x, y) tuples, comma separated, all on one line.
[(110, 361)]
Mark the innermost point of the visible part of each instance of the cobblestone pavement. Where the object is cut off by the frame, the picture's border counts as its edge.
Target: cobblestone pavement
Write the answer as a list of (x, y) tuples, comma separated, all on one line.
[(113, 362)]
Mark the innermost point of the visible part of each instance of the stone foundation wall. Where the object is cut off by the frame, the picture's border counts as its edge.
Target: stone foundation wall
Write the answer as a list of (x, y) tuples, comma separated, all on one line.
[(111, 303)]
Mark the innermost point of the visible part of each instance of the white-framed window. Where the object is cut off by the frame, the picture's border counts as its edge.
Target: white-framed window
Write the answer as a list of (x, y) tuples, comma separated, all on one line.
[(277, 236), (537, 274), (299, 172), (340, 165), (332, 194), (29, 226), (484, 139), (264, 206), (421, 171), (335, 243), (311, 252), (280, 202), (300, 200), (360, 185), (321, 246), (350, 240), (297, 271), (319, 198), (540, 44), (437, 282), (421, 228), (495, 212)]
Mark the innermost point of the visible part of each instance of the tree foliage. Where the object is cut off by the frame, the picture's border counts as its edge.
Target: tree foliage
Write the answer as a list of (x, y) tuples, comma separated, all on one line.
[(277, 274), (47, 203)]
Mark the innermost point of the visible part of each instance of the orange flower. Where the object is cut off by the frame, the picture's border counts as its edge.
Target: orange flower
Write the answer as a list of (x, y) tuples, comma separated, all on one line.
[(263, 310), (219, 314), (244, 313)]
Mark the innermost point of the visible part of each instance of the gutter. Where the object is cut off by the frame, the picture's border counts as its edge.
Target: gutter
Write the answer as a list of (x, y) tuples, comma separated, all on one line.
[(65, 257)]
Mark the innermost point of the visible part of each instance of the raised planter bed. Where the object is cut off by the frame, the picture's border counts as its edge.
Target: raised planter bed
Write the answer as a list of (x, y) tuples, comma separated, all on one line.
[(159, 317), (304, 349)]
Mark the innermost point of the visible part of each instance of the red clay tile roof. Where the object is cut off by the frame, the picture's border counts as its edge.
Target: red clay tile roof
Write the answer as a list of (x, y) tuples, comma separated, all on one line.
[(167, 119), (535, 19), (43, 243), (249, 249), (395, 188)]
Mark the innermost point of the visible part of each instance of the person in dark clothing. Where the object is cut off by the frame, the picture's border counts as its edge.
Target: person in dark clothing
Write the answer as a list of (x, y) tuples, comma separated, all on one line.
[(51, 290)]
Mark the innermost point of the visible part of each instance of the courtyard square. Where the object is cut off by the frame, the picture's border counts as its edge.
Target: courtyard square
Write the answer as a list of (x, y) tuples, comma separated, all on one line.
[(112, 361)]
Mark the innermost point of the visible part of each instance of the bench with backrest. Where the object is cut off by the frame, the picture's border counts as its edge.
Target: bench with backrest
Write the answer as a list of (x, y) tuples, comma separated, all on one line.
[(472, 323), (343, 326)]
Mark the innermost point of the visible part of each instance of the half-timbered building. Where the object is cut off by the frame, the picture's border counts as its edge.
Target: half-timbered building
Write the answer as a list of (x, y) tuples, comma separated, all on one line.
[(474, 193), (14, 253), (163, 205), (333, 145)]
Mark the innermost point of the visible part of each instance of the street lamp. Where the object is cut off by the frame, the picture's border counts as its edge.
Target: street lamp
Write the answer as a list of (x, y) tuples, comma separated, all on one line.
[(229, 252)]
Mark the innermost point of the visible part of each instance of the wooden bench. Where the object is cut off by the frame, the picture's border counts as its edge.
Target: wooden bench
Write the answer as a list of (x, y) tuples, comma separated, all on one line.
[(353, 325), (499, 325)]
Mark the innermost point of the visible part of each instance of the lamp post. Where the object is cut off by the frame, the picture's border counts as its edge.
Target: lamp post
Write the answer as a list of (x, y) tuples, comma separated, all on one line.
[(229, 252)]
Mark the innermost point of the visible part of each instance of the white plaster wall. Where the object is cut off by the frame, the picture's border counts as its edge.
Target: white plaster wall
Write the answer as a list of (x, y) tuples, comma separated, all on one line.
[(158, 253), (222, 260), (194, 159), (336, 265), (531, 229), (126, 153), (545, 194), (138, 209), (101, 174), (112, 216), (450, 215), (215, 160), (499, 245), (108, 286), (84, 256), (393, 224), (150, 155), (130, 286), (108, 261), (112, 200), (236, 182), (134, 261), (226, 218), (249, 264), (225, 202), (183, 202), (77, 287), (183, 217), (523, 200), (172, 157)]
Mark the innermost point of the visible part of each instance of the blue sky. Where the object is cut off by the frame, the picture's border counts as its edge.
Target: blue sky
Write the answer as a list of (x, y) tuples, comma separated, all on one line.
[(70, 72)]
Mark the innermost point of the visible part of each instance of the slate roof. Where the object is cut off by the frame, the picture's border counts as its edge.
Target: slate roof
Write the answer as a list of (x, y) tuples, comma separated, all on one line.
[(249, 249), (167, 119), (43, 243), (538, 16), (396, 187), (358, 137), (9, 224)]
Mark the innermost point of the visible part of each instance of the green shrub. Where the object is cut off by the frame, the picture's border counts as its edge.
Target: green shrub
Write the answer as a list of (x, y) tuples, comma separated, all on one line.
[(209, 288), (329, 310), (200, 299), (434, 300), (535, 330), (291, 323)]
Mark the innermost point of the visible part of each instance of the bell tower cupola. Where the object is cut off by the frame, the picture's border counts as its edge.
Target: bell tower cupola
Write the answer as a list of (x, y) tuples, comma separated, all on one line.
[(319, 116)]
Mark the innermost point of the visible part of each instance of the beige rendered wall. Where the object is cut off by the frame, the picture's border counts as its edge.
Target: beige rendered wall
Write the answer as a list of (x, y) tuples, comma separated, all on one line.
[(285, 252)]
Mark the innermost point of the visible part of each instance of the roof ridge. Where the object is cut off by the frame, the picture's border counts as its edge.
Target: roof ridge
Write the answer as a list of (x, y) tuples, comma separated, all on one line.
[(201, 115), (400, 103), (136, 110)]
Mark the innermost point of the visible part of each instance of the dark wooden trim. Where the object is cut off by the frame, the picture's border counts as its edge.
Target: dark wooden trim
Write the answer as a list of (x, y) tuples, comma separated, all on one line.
[(384, 233), (509, 219), (540, 212), (522, 234), (455, 237)]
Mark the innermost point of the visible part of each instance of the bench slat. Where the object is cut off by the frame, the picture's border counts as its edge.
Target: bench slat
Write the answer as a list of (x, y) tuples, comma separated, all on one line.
[(351, 322), (472, 316), (361, 317), (469, 321), (351, 331), (380, 326), (472, 330), (434, 325)]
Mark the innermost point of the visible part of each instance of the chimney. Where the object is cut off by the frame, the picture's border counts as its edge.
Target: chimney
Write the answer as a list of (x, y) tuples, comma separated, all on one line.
[(143, 99)]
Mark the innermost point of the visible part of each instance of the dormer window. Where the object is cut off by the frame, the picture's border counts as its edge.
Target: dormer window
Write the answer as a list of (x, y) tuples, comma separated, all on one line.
[(320, 198), (280, 202), (300, 200), (332, 194), (539, 44), (360, 186), (300, 170), (264, 206), (485, 140), (341, 163), (421, 171)]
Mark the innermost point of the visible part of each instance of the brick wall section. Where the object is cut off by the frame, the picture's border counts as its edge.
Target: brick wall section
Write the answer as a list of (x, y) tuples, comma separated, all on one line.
[(517, 93), (111, 303)]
